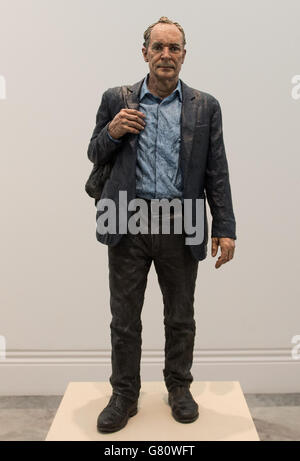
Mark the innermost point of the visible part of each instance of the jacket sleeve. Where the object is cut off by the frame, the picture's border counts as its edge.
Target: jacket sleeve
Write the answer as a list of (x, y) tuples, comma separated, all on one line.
[(102, 148), (217, 184)]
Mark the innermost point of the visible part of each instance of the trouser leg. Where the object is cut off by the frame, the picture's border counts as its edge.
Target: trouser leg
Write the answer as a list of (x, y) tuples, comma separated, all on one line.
[(177, 272), (129, 264)]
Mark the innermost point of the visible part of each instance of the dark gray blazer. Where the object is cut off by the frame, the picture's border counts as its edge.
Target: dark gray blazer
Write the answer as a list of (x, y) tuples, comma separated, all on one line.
[(202, 159)]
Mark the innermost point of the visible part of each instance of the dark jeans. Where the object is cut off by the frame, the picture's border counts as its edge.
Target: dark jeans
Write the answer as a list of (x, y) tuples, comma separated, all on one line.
[(176, 268)]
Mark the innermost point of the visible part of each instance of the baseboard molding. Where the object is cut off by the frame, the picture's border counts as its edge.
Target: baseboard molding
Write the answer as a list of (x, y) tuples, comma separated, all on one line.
[(49, 372)]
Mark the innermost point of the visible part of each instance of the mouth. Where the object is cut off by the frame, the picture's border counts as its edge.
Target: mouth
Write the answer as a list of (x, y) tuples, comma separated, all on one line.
[(165, 67)]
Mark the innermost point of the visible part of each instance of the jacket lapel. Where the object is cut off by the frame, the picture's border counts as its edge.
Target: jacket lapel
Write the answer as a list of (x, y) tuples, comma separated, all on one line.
[(188, 121)]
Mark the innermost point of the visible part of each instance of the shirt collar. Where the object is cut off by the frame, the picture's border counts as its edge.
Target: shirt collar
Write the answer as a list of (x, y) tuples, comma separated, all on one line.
[(144, 89)]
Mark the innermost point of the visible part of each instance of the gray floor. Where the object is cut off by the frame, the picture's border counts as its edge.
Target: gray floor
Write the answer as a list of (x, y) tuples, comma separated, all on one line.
[(276, 416)]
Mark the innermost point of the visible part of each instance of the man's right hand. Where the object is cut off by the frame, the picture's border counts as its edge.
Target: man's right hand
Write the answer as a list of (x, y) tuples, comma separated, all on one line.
[(126, 121)]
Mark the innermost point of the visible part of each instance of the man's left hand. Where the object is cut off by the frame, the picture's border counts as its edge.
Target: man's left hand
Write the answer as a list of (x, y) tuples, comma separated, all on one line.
[(227, 249)]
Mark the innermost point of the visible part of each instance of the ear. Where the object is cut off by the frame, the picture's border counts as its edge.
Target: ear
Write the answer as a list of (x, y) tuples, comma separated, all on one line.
[(144, 51)]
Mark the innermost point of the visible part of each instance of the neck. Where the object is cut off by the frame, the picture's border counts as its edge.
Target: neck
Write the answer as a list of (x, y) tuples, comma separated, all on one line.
[(161, 88)]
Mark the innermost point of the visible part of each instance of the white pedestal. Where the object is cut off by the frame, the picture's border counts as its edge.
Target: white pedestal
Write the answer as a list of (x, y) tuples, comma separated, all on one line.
[(223, 414)]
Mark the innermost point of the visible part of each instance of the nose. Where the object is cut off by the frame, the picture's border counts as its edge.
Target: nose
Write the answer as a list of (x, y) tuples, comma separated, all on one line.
[(165, 52)]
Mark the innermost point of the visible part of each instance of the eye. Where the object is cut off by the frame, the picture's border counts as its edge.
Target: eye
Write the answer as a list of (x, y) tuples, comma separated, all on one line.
[(173, 48)]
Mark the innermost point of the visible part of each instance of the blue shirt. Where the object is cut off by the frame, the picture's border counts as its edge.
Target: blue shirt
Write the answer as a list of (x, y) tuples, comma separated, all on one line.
[(158, 172)]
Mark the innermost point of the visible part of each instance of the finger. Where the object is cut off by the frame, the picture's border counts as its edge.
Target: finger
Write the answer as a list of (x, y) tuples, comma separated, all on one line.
[(131, 126), (214, 247), (135, 117), (230, 254), (138, 124), (134, 121), (220, 262), (131, 129), (214, 250), (134, 113), (223, 258)]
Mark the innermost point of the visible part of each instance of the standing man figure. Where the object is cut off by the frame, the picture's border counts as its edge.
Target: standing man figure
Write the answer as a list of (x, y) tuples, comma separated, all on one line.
[(166, 141)]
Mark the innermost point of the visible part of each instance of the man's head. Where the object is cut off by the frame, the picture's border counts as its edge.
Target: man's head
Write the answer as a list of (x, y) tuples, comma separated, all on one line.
[(164, 43)]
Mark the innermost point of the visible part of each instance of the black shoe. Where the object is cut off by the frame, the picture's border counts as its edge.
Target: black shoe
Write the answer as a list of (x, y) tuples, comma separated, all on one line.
[(116, 414), (184, 407)]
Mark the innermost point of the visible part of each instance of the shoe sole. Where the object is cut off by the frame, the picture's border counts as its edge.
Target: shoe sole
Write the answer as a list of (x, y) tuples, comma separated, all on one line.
[(117, 428), (189, 420)]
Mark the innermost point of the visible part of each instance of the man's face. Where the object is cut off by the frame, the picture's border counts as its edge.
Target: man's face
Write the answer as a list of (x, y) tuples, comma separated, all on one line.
[(165, 52)]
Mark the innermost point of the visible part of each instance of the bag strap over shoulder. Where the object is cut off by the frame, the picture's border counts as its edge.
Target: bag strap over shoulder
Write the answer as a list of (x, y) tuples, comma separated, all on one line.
[(124, 94)]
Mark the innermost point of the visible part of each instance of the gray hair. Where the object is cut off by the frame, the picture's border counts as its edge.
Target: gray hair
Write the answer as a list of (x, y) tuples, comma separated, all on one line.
[(162, 20)]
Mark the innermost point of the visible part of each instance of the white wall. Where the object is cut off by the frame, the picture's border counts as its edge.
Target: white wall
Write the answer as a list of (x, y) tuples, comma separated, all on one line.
[(56, 59)]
